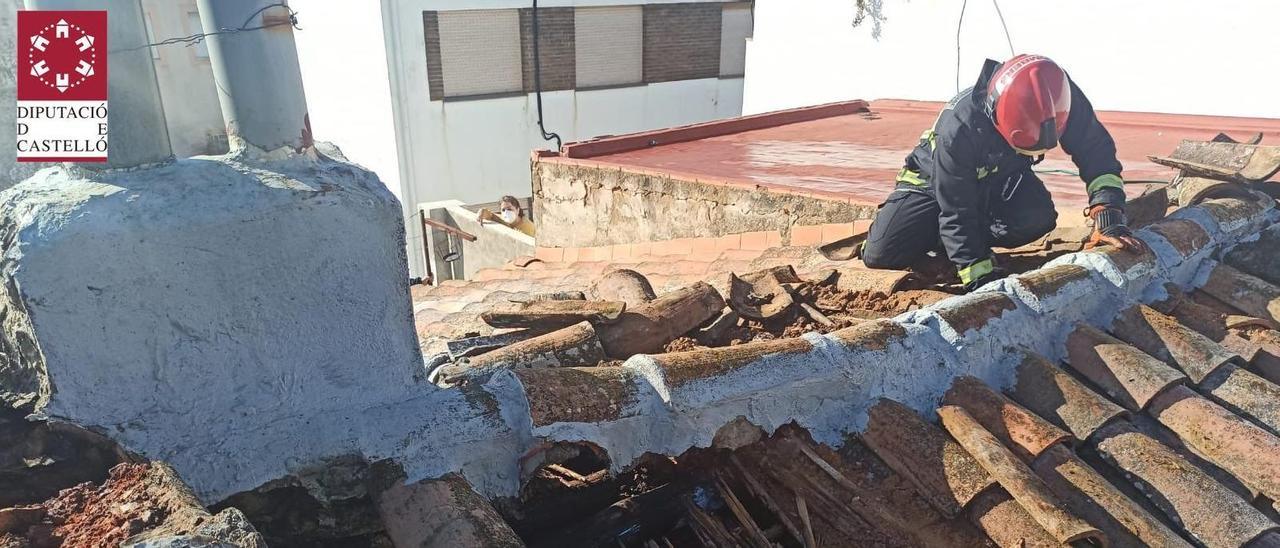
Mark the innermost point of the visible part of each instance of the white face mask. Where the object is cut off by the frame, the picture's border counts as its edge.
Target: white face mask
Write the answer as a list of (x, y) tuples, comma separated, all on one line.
[(508, 216)]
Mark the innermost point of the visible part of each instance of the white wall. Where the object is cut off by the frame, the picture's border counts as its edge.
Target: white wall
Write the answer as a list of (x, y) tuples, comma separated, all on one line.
[(190, 99), (478, 150), (344, 70), (1177, 56)]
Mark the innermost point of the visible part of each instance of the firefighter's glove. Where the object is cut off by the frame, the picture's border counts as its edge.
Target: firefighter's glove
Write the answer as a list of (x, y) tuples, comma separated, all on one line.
[(1109, 228), (980, 273)]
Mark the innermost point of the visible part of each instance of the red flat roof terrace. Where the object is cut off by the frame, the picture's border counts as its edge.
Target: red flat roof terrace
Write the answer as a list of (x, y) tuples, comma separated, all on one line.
[(853, 150)]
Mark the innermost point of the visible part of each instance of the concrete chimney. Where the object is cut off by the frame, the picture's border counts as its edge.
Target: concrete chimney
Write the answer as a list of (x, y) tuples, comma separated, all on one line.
[(135, 116), (259, 80)]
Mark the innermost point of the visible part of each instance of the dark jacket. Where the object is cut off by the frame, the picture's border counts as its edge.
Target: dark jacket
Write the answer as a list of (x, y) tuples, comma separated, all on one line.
[(962, 156)]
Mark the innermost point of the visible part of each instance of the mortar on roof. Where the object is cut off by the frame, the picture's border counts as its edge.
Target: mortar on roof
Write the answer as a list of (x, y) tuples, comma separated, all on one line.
[(828, 389)]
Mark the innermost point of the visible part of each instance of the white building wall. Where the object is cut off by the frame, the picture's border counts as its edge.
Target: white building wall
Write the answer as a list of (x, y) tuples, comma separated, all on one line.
[(478, 150), (185, 77), (1176, 56), (344, 71)]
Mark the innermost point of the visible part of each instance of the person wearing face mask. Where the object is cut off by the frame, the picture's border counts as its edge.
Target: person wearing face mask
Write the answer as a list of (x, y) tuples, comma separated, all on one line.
[(968, 186), (510, 215)]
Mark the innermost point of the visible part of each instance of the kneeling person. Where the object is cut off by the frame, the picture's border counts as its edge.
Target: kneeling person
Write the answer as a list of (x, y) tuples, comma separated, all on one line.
[(968, 185)]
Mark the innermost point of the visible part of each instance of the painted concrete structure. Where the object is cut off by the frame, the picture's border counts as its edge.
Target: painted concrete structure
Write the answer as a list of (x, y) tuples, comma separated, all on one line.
[(478, 150), (230, 296), (1140, 56)]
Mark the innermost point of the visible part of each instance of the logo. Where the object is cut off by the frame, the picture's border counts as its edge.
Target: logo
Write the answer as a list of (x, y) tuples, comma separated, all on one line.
[(62, 86)]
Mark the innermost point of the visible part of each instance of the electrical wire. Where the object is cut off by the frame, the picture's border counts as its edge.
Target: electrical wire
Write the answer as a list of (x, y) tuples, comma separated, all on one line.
[(959, 24), (244, 27), (1006, 27), (537, 80)]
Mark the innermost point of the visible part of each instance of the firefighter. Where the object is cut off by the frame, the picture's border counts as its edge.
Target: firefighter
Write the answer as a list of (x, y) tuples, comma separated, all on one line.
[(968, 186)]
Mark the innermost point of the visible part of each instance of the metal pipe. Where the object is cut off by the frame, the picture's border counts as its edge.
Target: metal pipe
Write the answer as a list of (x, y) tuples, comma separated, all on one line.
[(257, 73), (136, 129)]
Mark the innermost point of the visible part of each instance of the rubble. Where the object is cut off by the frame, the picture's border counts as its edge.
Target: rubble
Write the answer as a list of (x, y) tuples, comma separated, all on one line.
[(138, 506)]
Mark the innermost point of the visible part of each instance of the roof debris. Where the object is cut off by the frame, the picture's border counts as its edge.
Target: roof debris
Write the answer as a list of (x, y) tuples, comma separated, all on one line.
[(1156, 427), (1159, 430)]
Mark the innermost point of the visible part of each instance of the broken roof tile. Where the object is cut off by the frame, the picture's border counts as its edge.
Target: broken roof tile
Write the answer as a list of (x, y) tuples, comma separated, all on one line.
[(973, 311), (1186, 236), (578, 394), (1007, 522), (1232, 161), (567, 347)]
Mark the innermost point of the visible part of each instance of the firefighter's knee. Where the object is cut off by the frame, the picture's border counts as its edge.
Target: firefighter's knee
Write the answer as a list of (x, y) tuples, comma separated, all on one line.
[(1031, 229), (879, 256)]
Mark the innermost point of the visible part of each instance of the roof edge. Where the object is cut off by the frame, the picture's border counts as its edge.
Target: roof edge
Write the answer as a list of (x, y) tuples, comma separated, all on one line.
[(658, 137)]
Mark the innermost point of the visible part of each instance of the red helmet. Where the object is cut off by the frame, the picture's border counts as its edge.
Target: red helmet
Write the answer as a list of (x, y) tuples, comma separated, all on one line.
[(1029, 99)]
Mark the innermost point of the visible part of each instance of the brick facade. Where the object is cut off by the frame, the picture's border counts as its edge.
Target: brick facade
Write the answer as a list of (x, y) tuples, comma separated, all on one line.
[(555, 46), (682, 41)]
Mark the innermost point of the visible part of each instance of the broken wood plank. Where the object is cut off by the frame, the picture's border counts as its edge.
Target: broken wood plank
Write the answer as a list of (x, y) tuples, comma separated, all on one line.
[(758, 489), (553, 314), (817, 316), (641, 516), (1016, 478), (754, 534), (803, 509)]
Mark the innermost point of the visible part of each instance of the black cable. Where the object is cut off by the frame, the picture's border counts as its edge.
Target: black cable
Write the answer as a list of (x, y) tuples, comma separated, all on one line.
[(1006, 28), (537, 81), (197, 38), (959, 24)]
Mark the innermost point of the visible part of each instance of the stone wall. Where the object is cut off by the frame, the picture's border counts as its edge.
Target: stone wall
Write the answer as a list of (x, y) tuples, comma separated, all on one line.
[(580, 205)]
